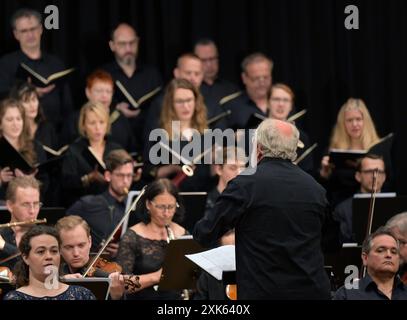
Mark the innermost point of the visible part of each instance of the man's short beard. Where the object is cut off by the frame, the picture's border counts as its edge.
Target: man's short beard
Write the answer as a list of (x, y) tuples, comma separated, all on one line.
[(128, 60)]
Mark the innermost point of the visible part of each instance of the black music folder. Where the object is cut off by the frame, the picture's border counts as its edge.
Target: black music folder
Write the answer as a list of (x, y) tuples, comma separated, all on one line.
[(57, 78), (123, 94), (10, 157), (345, 159), (93, 160), (386, 206), (100, 287), (179, 272), (194, 204)]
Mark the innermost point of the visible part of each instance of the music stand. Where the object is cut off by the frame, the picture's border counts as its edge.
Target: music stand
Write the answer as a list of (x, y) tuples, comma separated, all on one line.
[(386, 206), (194, 204), (179, 272), (338, 261), (100, 287)]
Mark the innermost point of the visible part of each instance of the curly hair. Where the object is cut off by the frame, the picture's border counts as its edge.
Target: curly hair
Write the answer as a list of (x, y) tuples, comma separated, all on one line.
[(21, 270)]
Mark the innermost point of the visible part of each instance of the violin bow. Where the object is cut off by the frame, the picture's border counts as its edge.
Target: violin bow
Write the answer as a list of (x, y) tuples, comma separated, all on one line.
[(131, 208), (371, 208)]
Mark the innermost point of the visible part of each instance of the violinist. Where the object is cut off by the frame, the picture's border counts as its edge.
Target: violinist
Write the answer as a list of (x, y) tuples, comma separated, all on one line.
[(142, 248), (39, 249), (76, 242), (398, 226), (364, 176), (23, 203), (103, 212)]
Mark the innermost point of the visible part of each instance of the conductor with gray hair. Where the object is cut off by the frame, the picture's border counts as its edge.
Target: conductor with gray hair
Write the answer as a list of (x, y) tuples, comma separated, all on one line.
[(277, 213)]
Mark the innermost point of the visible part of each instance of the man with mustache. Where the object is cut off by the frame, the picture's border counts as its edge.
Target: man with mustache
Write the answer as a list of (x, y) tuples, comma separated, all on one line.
[(137, 79)]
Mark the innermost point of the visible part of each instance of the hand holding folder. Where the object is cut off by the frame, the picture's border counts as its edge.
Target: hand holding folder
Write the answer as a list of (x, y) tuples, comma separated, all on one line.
[(39, 80), (125, 95)]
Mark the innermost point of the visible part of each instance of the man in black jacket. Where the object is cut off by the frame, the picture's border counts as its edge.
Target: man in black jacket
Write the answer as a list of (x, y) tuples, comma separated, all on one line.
[(104, 211), (278, 213)]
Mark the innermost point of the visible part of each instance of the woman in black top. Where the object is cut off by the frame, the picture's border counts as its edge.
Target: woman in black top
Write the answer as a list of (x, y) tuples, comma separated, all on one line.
[(82, 169), (142, 248)]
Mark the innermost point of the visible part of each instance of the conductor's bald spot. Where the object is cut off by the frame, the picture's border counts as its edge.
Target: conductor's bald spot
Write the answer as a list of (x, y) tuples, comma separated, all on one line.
[(285, 128)]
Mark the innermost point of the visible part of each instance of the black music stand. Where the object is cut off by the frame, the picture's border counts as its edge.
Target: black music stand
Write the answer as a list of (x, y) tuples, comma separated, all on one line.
[(179, 272), (385, 208), (338, 261), (100, 287)]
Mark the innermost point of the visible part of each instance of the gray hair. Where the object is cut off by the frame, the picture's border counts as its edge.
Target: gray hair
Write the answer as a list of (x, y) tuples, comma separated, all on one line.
[(256, 57), (368, 242), (25, 13), (273, 143), (398, 221)]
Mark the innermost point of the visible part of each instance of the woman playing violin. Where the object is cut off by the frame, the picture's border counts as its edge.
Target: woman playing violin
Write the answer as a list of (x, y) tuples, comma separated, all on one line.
[(142, 248)]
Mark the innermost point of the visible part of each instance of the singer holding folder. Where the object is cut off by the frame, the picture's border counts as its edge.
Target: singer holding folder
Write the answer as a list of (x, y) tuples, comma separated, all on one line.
[(354, 131), (83, 165), (143, 246), (19, 153), (27, 29), (183, 119)]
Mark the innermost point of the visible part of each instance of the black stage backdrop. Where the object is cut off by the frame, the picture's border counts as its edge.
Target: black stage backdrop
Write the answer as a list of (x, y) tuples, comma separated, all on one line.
[(312, 50)]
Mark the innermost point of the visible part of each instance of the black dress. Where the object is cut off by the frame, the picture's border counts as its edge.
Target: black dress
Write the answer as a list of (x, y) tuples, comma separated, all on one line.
[(138, 255), (75, 166)]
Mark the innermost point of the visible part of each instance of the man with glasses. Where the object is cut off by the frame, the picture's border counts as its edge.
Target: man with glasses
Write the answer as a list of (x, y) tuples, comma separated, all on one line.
[(257, 79), (104, 211), (56, 100), (23, 203), (398, 226), (212, 87), (364, 175), (139, 80)]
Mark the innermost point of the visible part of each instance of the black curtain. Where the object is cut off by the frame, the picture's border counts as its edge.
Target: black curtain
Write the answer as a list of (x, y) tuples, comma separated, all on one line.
[(312, 50)]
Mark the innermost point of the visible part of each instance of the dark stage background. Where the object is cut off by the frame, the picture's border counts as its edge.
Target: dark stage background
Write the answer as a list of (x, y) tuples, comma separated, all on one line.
[(312, 51)]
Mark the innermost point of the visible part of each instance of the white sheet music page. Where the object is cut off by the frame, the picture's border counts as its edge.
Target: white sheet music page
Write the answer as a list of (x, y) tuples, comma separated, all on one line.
[(215, 261)]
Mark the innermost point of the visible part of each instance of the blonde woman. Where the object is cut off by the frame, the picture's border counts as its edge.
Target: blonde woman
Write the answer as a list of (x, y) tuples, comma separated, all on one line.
[(80, 173), (354, 130)]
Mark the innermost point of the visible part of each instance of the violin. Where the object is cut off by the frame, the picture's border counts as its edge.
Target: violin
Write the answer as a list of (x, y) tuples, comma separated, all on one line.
[(102, 264)]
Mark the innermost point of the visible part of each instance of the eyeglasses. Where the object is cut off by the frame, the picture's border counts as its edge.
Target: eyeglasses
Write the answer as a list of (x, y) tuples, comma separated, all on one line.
[(163, 207), (182, 101), (258, 79), (29, 205), (281, 100), (123, 175), (371, 171), (27, 31)]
